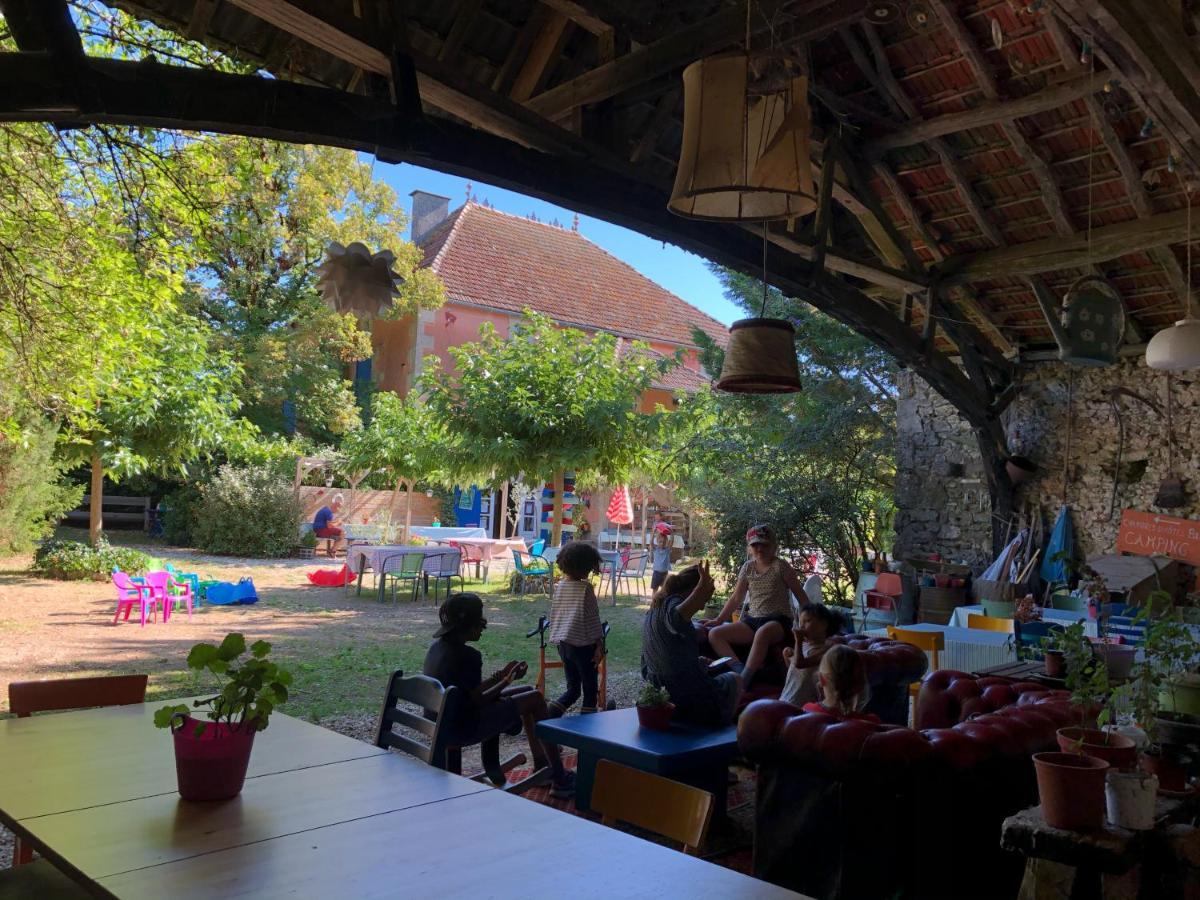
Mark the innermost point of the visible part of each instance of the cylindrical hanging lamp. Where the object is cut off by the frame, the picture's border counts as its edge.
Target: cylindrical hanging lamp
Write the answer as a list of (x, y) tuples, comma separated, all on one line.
[(744, 155), (761, 358)]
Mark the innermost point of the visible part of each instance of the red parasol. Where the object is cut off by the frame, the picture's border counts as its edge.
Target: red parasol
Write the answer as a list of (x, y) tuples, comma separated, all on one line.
[(620, 510)]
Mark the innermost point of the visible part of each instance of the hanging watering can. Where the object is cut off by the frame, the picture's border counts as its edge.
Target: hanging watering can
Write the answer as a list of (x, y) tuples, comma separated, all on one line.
[(1093, 323)]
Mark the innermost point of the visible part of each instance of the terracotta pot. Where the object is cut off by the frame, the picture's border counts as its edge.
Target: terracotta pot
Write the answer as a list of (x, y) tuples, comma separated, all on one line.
[(1056, 664), (656, 718), (1170, 772), (1020, 469), (213, 765), (1071, 790), (1118, 751)]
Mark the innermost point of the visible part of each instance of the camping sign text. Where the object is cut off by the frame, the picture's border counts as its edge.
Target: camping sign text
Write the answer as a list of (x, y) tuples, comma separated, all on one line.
[(1147, 534)]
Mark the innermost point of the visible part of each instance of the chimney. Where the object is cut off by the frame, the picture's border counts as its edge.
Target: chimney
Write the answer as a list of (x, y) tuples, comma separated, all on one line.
[(428, 211)]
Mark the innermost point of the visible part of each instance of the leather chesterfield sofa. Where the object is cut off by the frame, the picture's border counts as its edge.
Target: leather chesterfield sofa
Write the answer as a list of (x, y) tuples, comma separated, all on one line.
[(848, 809), (891, 666)]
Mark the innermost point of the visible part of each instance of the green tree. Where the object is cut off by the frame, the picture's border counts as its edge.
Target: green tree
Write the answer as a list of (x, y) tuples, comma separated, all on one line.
[(404, 440), (545, 400), (819, 465)]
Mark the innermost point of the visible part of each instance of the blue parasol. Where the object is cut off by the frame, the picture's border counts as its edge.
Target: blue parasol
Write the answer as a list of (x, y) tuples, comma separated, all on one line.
[(1054, 571)]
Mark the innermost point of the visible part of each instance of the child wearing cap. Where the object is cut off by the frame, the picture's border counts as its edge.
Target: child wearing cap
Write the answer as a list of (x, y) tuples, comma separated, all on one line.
[(769, 582), (575, 627), (493, 705)]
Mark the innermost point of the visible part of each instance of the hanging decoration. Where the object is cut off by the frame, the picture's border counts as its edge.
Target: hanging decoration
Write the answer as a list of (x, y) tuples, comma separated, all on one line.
[(1177, 348), (919, 17), (882, 12), (745, 158), (355, 280)]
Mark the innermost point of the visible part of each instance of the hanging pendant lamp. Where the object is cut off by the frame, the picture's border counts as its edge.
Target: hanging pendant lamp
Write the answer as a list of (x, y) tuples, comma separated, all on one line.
[(1177, 348)]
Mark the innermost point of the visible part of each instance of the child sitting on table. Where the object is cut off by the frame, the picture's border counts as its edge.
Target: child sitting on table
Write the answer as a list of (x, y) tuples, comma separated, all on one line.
[(843, 680), (575, 627), (811, 633)]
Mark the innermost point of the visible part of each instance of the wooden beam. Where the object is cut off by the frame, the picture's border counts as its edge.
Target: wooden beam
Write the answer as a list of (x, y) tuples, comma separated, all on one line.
[(1077, 252), (344, 39), (835, 261), (654, 125), (990, 113), (675, 51), (202, 14), (464, 18), (542, 55), (579, 14)]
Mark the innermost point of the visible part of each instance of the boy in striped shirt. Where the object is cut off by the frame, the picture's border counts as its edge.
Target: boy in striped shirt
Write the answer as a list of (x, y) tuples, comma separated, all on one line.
[(575, 627)]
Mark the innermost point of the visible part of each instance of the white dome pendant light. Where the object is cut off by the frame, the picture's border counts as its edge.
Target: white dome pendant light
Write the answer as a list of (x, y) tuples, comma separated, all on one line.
[(1177, 348)]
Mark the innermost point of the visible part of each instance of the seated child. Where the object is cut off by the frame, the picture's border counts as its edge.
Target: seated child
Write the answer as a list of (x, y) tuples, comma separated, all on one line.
[(843, 680), (493, 706), (575, 627), (812, 629), (671, 654)]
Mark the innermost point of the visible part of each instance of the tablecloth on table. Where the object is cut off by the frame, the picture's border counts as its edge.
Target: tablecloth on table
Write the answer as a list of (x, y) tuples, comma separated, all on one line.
[(375, 554), (492, 548)]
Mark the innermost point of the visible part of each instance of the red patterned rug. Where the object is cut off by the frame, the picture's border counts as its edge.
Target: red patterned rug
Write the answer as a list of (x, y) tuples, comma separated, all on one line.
[(729, 842)]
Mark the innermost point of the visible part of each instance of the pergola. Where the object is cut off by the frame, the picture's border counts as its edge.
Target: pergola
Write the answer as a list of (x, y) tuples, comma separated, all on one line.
[(992, 151)]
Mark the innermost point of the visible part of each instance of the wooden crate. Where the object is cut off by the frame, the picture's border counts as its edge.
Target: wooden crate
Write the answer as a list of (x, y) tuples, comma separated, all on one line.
[(937, 604)]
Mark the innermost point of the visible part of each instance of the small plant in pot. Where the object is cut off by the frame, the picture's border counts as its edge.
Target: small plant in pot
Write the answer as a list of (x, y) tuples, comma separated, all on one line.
[(211, 756), (307, 547), (1088, 682), (654, 707)]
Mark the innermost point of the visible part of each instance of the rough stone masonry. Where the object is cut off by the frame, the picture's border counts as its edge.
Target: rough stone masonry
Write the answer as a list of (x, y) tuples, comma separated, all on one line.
[(941, 491)]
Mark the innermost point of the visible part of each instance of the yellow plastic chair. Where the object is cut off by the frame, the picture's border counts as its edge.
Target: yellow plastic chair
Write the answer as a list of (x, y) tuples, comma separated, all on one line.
[(932, 642), (989, 623), (674, 810)]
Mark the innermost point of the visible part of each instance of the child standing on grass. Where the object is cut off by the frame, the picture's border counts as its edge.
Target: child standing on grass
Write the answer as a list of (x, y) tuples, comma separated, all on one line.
[(660, 556), (575, 627)]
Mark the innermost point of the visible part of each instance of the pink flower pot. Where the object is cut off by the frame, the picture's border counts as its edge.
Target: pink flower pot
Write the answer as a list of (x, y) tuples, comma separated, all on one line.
[(213, 765)]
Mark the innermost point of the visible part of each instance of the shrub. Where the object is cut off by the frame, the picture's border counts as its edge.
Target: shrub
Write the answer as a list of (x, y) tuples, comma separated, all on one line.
[(76, 561), (247, 511), (33, 496), (179, 515)]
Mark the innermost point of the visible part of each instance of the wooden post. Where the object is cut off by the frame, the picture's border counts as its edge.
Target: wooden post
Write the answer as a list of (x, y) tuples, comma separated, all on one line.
[(504, 510), (96, 507), (556, 527), (408, 486)]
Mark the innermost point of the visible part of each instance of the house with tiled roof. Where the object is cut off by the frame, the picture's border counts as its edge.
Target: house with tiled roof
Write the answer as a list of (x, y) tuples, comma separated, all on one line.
[(495, 265)]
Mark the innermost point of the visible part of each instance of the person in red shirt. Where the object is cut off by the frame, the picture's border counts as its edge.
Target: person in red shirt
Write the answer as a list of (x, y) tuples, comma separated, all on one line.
[(843, 681)]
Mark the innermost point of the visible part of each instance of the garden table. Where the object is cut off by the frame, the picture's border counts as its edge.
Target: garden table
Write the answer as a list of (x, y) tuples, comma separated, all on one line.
[(967, 649), (360, 557), (611, 557), (321, 815)]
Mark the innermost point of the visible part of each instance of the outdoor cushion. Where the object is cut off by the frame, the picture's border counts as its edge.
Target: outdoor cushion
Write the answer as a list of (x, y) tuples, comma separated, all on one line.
[(223, 593)]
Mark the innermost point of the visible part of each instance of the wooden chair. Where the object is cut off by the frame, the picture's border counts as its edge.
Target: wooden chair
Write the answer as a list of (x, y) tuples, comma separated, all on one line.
[(28, 697), (989, 623), (674, 810), (932, 642), (540, 630), (429, 696)]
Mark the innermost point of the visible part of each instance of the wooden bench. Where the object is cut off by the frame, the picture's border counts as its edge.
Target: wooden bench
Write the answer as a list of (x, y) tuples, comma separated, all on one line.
[(115, 509)]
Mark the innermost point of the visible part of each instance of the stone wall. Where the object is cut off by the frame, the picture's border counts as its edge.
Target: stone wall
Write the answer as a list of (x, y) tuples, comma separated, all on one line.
[(945, 508)]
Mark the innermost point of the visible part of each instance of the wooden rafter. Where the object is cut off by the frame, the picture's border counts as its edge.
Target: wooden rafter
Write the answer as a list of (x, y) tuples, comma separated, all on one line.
[(542, 55), (464, 16), (580, 15), (202, 14)]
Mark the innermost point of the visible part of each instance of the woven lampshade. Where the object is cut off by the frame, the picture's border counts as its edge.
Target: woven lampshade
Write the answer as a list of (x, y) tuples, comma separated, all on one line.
[(1175, 349), (760, 358), (353, 279), (744, 155)]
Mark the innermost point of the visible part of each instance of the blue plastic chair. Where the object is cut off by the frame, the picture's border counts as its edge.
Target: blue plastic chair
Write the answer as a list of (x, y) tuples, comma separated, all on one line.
[(190, 577), (538, 547), (529, 566)]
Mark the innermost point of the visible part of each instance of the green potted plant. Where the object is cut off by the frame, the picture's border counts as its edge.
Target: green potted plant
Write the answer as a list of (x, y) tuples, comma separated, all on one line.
[(211, 756), (654, 707), (1091, 693), (307, 547)]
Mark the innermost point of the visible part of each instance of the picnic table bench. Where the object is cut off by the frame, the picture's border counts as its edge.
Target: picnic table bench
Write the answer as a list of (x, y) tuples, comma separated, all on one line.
[(115, 509)]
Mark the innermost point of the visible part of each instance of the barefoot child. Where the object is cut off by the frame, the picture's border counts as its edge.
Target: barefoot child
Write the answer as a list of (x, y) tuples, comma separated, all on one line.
[(811, 633), (844, 685), (769, 582), (575, 627)]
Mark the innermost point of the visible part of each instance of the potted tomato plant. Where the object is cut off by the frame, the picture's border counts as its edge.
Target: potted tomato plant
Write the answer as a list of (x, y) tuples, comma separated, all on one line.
[(211, 756), (654, 708)]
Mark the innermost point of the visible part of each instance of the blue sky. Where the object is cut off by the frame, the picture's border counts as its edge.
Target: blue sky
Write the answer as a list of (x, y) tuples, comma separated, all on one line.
[(680, 272)]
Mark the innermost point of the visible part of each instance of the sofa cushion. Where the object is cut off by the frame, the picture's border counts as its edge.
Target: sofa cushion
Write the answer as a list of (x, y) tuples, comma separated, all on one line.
[(948, 697)]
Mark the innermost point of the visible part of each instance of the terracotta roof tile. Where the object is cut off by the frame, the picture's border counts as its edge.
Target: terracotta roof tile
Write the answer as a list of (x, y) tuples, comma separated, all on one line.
[(501, 261)]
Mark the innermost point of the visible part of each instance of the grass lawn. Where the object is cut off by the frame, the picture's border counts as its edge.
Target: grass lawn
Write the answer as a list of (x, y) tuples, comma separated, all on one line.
[(340, 647)]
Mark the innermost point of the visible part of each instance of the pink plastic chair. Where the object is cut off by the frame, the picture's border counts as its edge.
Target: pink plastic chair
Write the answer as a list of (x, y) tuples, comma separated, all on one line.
[(130, 592), (161, 584)]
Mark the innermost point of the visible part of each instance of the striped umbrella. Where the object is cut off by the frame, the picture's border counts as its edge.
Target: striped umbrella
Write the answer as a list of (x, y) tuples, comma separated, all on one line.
[(620, 510)]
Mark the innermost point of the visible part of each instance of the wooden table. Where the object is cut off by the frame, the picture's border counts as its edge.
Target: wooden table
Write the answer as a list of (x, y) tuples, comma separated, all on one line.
[(697, 756), (321, 815), (360, 556)]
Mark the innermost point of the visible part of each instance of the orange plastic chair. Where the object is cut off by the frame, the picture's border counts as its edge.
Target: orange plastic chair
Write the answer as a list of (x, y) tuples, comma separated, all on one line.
[(885, 596), (27, 697), (932, 642), (674, 810), (544, 664), (989, 623)]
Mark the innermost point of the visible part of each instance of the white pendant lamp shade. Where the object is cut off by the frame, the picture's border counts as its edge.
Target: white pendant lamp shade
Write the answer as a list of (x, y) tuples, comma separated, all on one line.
[(745, 151), (760, 358), (1175, 349)]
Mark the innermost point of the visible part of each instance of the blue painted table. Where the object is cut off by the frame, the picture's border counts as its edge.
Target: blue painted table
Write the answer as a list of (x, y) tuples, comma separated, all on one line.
[(695, 756)]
